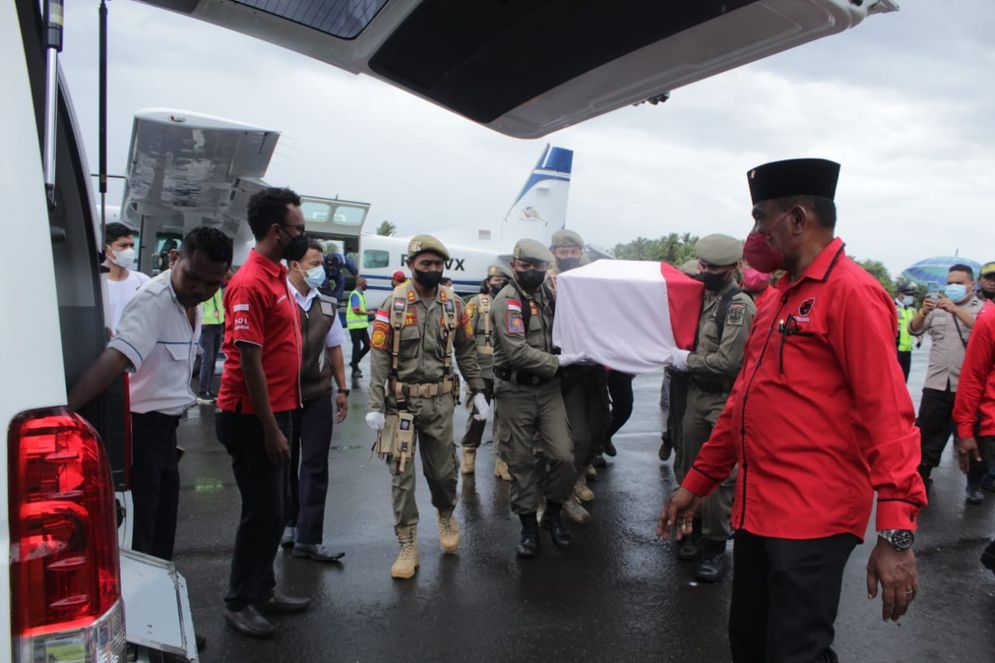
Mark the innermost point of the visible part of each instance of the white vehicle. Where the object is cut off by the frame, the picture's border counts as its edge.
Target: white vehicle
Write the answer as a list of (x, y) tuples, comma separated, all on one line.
[(521, 68)]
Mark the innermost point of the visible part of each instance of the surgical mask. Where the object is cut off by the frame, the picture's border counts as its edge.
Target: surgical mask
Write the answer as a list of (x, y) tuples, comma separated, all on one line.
[(566, 264), (955, 292), (908, 300), (755, 280), (124, 258), (314, 276), (713, 282), (761, 255), (428, 279), (530, 279)]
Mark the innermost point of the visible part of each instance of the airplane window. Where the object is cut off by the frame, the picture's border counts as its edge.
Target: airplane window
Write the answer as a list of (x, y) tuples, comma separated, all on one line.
[(374, 259)]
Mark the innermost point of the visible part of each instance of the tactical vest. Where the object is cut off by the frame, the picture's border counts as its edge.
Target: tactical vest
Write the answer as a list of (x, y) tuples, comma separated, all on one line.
[(316, 371), (484, 307), (402, 298), (355, 320)]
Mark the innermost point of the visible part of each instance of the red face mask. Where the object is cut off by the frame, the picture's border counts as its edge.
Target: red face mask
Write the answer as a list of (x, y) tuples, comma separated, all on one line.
[(761, 255), (755, 280)]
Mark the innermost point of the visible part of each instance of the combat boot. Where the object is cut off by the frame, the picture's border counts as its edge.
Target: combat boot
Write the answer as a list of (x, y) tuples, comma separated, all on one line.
[(448, 532), (407, 560), (528, 547), (590, 472), (689, 548), (581, 490), (575, 512), (552, 520), (713, 561), (501, 470), (469, 463)]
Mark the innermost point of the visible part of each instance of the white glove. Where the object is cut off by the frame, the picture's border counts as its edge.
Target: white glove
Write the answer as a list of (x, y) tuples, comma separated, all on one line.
[(480, 406), (679, 360), (572, 358), (375, 421)]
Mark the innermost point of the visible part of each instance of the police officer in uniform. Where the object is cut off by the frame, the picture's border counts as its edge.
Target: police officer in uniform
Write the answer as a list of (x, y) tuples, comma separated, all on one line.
[(413, 392), (478, 309), (585, 391), (723, 327), (527, 385), (674, 396)]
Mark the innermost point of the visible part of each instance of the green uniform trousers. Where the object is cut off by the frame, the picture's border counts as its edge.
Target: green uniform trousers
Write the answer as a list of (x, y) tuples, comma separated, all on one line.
[(475, 429), (533, 418), (702, 412), (434, 440), (585, 397)]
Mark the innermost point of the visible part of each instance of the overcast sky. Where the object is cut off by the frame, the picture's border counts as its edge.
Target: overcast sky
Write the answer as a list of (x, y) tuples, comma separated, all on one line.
[(904, 101)]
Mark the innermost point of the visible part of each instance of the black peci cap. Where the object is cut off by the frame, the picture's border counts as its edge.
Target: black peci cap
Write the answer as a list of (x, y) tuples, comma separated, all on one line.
[(794, 177)]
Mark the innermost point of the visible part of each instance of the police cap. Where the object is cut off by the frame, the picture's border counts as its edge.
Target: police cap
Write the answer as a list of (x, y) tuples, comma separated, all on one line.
[(532, 251), (793, 177), (566, 239), (719, 250), (498, 270), (907, 288), (424, 243)]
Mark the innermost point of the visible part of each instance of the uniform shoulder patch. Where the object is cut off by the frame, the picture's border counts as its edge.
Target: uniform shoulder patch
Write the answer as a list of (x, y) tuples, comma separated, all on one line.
[(513, 318), (736, 313), (378, 340)]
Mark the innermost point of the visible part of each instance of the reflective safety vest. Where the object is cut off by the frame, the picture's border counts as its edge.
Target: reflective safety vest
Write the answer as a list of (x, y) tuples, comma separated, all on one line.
[(905, 314), (212, 310), (355, 320)]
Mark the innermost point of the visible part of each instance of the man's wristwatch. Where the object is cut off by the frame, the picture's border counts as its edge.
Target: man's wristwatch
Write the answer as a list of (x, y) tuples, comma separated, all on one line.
[(900, 539), (344, 392)]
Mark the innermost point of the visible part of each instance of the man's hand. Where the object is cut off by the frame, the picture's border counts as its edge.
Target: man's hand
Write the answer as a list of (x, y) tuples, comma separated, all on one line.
[(896, 572), (679, 360), (277, 448), (927, 306), (571, 358), (375, 420), (677, 515), (480, 407), (947, 305), (341, 407), (967, 451)]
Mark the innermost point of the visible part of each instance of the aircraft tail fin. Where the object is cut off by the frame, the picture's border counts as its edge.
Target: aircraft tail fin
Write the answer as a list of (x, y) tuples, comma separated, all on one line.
[(541, 206)]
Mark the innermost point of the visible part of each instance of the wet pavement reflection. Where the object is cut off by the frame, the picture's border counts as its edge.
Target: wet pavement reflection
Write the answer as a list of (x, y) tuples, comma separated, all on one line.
[(619, 594)]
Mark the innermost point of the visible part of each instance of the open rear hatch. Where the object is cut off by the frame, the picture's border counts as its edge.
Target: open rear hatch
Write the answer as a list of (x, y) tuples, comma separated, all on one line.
[(528, 67)]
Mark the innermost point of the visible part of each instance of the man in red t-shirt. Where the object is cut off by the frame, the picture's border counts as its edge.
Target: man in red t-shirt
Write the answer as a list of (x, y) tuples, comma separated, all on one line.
[(819, 420), (259, 393)]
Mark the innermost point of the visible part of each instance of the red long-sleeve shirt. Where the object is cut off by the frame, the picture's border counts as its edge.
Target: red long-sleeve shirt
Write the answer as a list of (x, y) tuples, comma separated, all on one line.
[(819, 418), (974, 408)]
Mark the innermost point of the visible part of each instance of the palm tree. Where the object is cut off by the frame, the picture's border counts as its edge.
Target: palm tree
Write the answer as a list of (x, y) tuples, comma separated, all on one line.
[(386, 229)]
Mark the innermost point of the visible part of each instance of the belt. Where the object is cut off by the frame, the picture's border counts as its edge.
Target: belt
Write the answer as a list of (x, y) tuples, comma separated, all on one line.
[(485, 349), (520, 377), (427, 390), (712, 387)]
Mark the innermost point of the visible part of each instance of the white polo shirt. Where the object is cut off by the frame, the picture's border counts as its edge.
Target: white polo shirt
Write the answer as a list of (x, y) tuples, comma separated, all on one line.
[(154, 333), (335, 336)]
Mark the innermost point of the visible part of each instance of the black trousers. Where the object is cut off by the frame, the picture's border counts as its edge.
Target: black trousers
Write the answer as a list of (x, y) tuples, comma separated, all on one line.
[(308, 469), (210, 342), (905, 361), (263, 487), (360, 345), (620, 391), (785, 595), (155, 483), (936, 424)]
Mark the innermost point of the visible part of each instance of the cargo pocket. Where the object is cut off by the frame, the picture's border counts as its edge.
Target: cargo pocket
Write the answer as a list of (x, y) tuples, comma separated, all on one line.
[(410, 342)]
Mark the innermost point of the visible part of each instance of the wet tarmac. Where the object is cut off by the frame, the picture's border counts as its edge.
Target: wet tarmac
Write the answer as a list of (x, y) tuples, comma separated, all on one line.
[(618, 595)]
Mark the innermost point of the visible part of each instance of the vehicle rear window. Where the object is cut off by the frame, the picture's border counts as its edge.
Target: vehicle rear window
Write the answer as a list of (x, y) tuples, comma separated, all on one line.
[(484, 58), (340, 18)]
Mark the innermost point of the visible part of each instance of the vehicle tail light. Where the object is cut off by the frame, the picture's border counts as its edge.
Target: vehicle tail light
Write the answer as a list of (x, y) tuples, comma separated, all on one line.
[(64, 568)]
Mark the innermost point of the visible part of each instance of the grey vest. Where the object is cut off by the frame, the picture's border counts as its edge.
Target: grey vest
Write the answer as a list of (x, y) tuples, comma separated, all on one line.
[(316, 372)]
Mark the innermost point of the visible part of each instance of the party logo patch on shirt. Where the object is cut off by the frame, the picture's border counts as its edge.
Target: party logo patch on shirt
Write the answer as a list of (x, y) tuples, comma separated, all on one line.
[(806, 306)]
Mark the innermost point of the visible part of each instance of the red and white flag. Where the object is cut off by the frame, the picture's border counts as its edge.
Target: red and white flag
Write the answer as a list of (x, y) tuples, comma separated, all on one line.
[(628, 315)]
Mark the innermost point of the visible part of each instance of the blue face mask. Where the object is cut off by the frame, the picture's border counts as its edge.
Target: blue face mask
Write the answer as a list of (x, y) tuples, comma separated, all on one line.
[(955, 292), (315, 276)]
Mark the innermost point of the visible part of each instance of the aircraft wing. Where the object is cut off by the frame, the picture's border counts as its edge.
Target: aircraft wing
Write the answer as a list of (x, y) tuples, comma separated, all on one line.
[(528, 68)]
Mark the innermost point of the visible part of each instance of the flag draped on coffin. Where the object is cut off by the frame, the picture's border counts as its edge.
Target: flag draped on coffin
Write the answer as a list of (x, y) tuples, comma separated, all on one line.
[(628, 315)]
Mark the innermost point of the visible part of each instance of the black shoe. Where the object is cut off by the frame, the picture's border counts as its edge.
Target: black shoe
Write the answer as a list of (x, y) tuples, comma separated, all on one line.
[(552, 520), (599, 461), (287, 539), (713, 563), (988, 557), (608, 448), (317, 552), (356, 373), (973, 495), (528, 547), (689, 548), (281, 603), (248, 621), (665, 447)]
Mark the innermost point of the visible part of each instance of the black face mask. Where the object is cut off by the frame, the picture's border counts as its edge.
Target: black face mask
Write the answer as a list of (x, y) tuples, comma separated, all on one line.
[(495, 288), (427, 279), (713, 282), (297, 247), (531, 279), (566, 264)]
